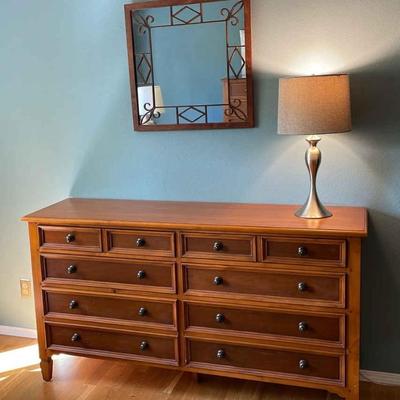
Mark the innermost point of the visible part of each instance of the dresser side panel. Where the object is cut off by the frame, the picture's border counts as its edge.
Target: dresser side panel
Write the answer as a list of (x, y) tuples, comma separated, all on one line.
[(353, 325), (37, 289)]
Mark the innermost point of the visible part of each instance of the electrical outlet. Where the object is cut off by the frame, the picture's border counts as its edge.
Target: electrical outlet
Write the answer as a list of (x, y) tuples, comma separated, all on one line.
[(25, 287)]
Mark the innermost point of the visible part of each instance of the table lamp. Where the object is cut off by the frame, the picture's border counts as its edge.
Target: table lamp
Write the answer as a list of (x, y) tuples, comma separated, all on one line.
[(145, 97), (314, 105)]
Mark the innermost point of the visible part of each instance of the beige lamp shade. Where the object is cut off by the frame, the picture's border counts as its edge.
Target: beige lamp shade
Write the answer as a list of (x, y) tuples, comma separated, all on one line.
[(313, 105)]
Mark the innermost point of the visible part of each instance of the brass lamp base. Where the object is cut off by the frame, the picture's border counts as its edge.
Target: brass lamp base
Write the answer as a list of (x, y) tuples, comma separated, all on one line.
[(313, 208)]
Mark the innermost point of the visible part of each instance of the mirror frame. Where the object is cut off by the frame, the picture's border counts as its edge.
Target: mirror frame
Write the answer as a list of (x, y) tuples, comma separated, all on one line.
[(138, 126)]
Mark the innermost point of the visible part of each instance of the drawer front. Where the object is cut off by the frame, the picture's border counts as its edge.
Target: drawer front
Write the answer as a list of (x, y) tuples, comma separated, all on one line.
[(235, 247), (147, 276), (277, 285), (70, 238), (139, 310), (261, 361), (141, 242), (298, 326), (304, 251), (138, 346)]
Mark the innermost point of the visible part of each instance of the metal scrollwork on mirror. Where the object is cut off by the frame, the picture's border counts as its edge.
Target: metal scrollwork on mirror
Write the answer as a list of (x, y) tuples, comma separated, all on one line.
[(190, 64)]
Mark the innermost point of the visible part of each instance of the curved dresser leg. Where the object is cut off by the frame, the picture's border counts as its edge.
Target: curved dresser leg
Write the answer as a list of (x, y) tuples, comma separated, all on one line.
[(352, 395), (345, 395), (46, 365)]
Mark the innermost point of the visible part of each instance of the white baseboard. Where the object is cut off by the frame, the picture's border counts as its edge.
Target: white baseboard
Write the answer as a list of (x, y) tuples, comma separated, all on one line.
[(380, 378), (15, 331)]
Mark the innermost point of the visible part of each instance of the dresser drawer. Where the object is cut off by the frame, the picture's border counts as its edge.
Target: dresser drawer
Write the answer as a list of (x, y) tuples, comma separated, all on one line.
[(143, 275), (265, 361), (304, 251), (325, 289), (141, 242), (134, 346), (219, 246), (234, 320), (135, 310), (70, 238)]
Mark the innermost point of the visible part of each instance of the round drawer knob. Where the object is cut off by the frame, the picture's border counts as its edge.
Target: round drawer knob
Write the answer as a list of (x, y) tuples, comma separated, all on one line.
[(302, 286), (302, 251), (220, 353), (303, 326), (75, 337), (218, 246), (220, 318), (218, 281), (73, 304), (143, 345), (141, 275), (71, 269), (303, 364), (140, 242), (142, 311), (70, 238)]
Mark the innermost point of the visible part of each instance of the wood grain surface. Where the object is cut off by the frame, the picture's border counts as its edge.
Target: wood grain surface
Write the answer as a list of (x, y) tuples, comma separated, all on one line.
[(94, 379), (349, 221), (112, 257)]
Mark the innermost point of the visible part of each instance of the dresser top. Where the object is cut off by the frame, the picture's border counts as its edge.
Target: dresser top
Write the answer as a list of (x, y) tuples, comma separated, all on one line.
[(265, 218)]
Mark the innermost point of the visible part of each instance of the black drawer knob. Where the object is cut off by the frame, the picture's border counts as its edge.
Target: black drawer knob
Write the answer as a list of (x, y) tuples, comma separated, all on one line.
[(220, 318), (303, 364), (302, 286), (140, 242), (220, 353), (73, 304), (75, 337), (143, 345), (303, 326), (218, 246), (218, 281), (141, 275), (302, 251), (142, 311), (71, 269), (70, 238)]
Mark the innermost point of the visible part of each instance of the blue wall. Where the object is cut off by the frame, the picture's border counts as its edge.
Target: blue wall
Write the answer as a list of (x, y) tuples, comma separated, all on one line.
[(65, 129)]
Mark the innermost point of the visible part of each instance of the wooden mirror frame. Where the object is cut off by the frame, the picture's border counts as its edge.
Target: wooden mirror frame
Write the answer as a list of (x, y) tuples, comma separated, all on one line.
[(232, 109)]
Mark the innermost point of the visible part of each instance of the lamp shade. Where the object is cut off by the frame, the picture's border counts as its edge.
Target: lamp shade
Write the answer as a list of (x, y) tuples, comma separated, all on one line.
[(145, 96), (312, 105)]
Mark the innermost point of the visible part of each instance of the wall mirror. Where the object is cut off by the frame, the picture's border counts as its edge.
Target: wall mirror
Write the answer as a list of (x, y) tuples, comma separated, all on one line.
[(190, 64)]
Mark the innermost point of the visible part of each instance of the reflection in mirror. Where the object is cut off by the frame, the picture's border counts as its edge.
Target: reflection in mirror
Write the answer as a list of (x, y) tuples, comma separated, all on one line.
[(146, 97), (188, 64)]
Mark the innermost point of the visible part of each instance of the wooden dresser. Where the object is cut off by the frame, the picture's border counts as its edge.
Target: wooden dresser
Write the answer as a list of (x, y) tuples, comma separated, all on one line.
[(240, 290)]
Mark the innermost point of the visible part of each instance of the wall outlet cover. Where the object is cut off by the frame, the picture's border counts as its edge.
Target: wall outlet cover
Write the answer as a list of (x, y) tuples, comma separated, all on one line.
[(25, 287)]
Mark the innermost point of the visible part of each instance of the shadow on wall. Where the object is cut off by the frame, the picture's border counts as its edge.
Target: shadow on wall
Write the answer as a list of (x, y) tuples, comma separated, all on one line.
[(380, 294), (376, 115)]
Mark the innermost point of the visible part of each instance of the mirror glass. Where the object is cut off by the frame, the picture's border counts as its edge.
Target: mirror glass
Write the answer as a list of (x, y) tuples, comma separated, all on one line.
[(188, 65)]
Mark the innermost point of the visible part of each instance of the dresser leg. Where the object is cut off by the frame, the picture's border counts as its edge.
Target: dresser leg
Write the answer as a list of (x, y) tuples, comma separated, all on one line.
[(46, 365)]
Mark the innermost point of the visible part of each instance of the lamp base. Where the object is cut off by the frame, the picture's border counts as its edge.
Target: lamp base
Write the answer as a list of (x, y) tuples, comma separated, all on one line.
[(313, 207), (313, 210)]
